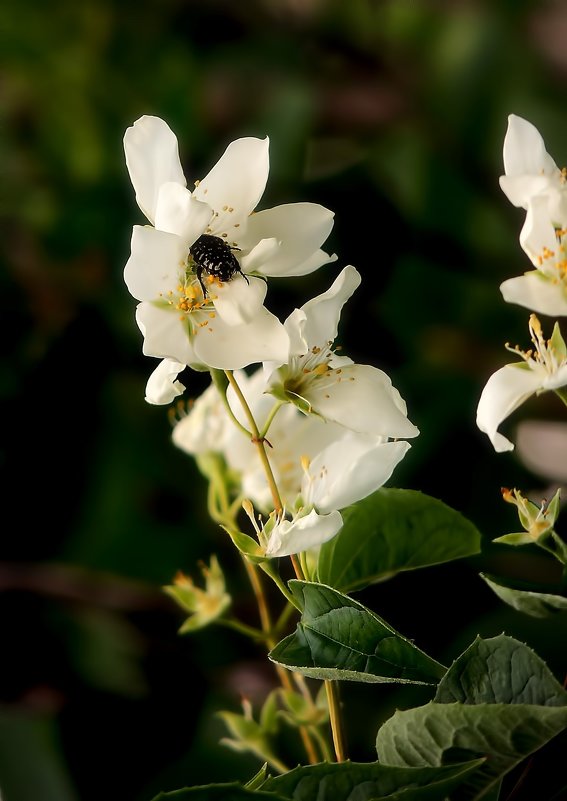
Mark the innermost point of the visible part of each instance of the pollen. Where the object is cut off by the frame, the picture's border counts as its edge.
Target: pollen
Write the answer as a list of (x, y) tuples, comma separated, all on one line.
[(321, 369)]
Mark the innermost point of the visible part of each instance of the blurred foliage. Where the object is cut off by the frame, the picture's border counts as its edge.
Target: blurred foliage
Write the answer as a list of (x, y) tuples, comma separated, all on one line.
[(390, 113)]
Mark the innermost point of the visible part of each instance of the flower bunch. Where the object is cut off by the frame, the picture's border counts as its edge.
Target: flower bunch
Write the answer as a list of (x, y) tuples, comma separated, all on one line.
[(532, 181), (296, 442), (200, 271)]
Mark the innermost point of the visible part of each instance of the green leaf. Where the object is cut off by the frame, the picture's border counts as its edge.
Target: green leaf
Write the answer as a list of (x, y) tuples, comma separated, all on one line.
[(390, 531), (535, 604), (246, 545), (339, 638), (518, 538), (231, 791), (369, 781), (435, 734), (258, 779), (500, 670)]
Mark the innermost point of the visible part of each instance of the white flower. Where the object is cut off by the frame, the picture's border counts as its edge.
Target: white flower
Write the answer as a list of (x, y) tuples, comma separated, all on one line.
[(347, 470), (306, 530), (162, 386), (357, 396), (543, 368), (542, 447), (530, 171), (206, 427), (195, 269), (319, 467), (543, 290)]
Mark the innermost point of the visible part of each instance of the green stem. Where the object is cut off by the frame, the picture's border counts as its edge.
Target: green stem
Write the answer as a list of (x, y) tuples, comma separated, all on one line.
[(332, 695), (258, 440), (336, 719), (266, 621), (270, 418), (278, 581), (562, 393), (228, 408), (282, 620), (322, 743), (243, 628)]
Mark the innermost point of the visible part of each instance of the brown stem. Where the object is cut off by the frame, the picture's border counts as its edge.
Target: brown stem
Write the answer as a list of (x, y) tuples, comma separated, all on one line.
[(266, 622)]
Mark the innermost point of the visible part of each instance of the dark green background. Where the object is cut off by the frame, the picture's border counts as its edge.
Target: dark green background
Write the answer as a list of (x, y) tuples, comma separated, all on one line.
[(393, 115)]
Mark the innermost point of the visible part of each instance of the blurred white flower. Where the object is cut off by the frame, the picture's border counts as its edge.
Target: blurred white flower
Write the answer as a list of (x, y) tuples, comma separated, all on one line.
[(530, 171), (543, 290), (543, 368), (541, 446), (534, 182)]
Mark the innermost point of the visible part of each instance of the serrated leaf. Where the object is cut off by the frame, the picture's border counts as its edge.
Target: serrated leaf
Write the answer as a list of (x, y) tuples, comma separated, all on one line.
[(339, 638), (231, 791), (370, 781), (535, 604), (500, 670), (435, 734), (390, 531)]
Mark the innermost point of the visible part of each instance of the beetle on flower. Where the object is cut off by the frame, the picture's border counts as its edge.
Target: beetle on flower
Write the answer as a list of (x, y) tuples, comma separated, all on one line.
[(199, 270)]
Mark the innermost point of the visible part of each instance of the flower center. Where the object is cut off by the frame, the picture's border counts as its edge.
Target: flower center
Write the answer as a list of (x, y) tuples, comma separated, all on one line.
[(309, 367), (544, 354), (194, 305)]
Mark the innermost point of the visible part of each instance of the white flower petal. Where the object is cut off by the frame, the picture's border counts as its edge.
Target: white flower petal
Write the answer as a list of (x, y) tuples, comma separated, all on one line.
[(362, 398), (557, 379), (302, 533), (350, 469), (542, 446), (229, 347), (300, 228), (152, 159), (162, 386), (538, 232), (520, 189), (316, 260), (505, 391), (165, 334), (262, 252), (155, 262), (206, 427), (237, 182), (524, 149), (322, 313), (178, 212), (239, 300), (536, 292)]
